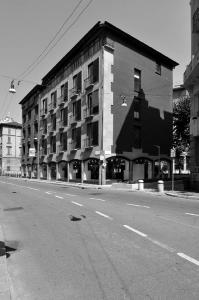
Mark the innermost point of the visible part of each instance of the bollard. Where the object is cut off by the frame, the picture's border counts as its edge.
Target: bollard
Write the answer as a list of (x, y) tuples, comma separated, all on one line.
[(140, 185), (160, 186)]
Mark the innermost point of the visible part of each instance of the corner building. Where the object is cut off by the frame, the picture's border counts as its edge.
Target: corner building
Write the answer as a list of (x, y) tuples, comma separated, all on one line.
[(102, 112), (191, 83)]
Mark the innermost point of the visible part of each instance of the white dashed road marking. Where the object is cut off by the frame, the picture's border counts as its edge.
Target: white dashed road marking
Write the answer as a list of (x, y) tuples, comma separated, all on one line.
[(192, 260), (49, 193), (70, 195), (135, 230), (97, 199), (76, 203), (144, 206), (164, 246), (59, 197), (192, 214), (103, 215)]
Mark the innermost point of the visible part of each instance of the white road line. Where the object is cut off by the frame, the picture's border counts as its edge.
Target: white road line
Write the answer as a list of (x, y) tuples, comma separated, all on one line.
[(59, 197), (192, 260), (103, 215), (192, 214), (32, 188), (76, 203), (97, 199), (164, 246), (138, 205), (136, 231), (49, 193), (70, 195)]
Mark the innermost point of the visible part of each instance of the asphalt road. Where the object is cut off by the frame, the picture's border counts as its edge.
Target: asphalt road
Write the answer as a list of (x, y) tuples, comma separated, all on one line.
[(69, 243)]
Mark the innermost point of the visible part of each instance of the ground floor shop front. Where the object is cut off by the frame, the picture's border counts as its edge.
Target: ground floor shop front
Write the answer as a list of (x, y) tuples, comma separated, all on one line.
[(93, 170)]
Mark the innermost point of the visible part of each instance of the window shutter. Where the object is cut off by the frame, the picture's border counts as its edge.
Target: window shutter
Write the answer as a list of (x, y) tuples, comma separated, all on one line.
[(66, 116), (95, 133), (65, 140), (66, 91)]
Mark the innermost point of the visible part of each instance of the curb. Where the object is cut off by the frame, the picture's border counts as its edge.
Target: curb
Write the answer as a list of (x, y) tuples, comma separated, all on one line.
[(5, 292), (182, 196)]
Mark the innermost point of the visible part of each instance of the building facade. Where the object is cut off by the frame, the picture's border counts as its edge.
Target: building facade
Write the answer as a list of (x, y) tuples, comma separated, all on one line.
[(192, 85), (10, 147), (103, 112)]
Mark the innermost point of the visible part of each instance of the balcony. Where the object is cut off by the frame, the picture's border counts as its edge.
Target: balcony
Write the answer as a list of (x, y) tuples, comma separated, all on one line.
[(43, 112), (61, 100), (72, 120), (89, 83), (61, 125), (51, 129), (88, 143), (88, 113), (43, 152), (36, 118), (192, 71), (51, 151), (51, 107), (73, 146), (60, 149), (74, 92)]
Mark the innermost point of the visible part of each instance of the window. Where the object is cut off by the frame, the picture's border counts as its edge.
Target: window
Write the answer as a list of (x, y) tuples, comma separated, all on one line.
[(64, 91), (54, 99), (53, 144), (76, 137), (77, 110), (53, 121), (64, 141), (136, 108), (9, 140), (92, 133), (137, 80), (9, 130), (77, 82), (9, 150), (44, 105), (93, 71), (137, 137), (65, 116), (196, 21), (93, 102), (29, 115), (158, 68), (8, 168)]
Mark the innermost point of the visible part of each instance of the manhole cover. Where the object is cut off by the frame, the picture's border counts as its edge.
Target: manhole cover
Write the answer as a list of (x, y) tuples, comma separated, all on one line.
[(13, 208)]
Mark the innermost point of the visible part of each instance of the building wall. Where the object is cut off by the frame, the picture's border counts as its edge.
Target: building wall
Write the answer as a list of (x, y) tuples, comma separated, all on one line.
[(155, 100)]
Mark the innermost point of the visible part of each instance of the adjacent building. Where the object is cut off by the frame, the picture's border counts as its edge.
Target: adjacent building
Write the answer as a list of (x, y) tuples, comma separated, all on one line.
[(191, 83), (10, 147), (103, 112)]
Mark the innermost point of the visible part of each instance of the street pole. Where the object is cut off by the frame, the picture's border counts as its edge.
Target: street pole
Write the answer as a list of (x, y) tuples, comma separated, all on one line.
[(172, 175), (158, 147), (38, 139)]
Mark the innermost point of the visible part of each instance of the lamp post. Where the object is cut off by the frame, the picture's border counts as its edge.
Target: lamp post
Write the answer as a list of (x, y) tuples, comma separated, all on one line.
[(38, 138)]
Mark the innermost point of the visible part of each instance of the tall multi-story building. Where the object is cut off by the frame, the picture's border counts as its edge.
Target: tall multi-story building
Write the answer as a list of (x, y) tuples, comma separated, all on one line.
[(10, 147), (191, 83), (103, 112)]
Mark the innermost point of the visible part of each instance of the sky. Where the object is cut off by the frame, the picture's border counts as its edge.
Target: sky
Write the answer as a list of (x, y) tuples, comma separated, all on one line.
[(28, 26)]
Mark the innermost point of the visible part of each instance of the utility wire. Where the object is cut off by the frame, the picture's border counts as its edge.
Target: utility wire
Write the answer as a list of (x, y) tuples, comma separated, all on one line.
[(53, 46), (52, 40)]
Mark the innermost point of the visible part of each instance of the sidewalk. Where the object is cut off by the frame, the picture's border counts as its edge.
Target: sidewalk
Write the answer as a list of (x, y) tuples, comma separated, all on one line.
[(183, 194), (5, 293)]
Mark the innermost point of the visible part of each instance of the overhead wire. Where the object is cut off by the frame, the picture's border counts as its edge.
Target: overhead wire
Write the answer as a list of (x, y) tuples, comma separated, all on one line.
[(63, 34), (52, 40)]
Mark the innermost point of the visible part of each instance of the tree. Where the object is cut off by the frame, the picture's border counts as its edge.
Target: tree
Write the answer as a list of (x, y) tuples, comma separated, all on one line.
[(181, 119)]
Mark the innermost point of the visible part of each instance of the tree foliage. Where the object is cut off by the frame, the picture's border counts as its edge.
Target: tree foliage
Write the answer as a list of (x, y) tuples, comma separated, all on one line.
[(181, 120)]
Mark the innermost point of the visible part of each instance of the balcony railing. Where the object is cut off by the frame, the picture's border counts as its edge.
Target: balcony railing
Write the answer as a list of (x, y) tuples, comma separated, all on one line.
[(89, 82), (51, 106), (43, 112), (73, 146), (88, 142), (74, 92), (60, 100), (51, 128), (88, 112), (51, 151), (43, 152), (60, 149), (72, 120)]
